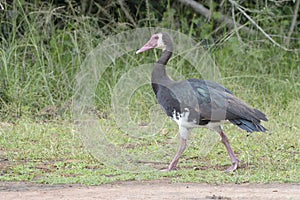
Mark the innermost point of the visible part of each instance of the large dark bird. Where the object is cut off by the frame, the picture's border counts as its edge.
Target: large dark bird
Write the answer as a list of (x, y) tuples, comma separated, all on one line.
[(197, 103)]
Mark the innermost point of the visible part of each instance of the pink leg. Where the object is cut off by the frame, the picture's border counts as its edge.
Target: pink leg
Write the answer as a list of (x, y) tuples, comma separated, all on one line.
[(231, 154), (180, 151)]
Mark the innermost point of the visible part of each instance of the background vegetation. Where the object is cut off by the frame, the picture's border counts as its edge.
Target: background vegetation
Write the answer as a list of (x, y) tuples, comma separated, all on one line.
[(44, 43)]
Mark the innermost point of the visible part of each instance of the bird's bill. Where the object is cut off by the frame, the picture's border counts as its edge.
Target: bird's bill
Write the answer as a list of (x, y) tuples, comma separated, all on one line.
[(151, 44)]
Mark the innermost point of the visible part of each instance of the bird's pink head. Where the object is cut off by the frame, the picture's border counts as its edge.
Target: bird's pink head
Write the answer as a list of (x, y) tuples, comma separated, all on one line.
[(156, 41)]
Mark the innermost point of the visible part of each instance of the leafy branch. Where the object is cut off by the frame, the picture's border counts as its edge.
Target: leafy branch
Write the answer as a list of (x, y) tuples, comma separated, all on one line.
[(257, 26), (199, 8)]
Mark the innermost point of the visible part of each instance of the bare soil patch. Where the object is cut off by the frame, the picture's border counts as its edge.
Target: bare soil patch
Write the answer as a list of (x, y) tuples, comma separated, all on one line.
[(150, 190)]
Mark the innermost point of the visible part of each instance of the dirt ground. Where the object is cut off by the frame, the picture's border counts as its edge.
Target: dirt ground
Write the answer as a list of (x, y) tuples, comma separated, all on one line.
[(149, 190)]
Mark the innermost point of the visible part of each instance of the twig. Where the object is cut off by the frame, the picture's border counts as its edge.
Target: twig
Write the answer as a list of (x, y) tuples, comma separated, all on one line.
[(199, 8), (257, 26), (293, 24), (84, 4), (235, 26)]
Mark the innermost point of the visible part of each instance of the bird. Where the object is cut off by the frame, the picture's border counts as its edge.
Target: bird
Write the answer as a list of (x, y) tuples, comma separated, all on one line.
[(197, 103)]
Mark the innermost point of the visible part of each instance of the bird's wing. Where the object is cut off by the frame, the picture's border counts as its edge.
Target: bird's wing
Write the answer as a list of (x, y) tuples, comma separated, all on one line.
[(203, 98), (212, 101), (237, 109)]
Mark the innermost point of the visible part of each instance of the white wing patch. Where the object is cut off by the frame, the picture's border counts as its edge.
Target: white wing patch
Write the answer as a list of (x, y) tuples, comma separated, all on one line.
[(182, 119)]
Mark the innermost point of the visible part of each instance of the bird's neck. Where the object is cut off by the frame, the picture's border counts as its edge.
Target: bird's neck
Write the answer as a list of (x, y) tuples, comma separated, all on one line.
[(159, 74), (166, 55)]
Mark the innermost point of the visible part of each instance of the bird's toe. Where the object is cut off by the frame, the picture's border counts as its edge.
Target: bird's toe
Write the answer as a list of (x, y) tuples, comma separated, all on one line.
[(165, 170), (233, 167)]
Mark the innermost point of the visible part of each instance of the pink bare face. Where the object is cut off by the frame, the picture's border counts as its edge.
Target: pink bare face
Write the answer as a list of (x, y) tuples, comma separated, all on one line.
[(154, 42)]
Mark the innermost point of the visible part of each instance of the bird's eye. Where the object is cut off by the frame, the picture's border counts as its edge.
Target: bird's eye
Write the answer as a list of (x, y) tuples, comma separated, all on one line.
[(156, 37)]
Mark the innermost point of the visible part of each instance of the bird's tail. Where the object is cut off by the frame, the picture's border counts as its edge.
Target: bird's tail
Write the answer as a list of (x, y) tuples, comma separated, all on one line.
[(249, 126)]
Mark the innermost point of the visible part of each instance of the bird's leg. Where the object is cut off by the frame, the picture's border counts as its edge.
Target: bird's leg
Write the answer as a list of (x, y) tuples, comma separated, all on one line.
[(181, 149), (233, 158)]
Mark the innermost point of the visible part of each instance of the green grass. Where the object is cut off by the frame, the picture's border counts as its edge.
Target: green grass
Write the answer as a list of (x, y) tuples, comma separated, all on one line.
[(53, 153), (38, 66)]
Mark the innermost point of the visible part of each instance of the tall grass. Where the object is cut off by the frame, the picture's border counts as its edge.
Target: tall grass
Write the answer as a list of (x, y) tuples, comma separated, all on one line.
[(39, 58), (44, 46)]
